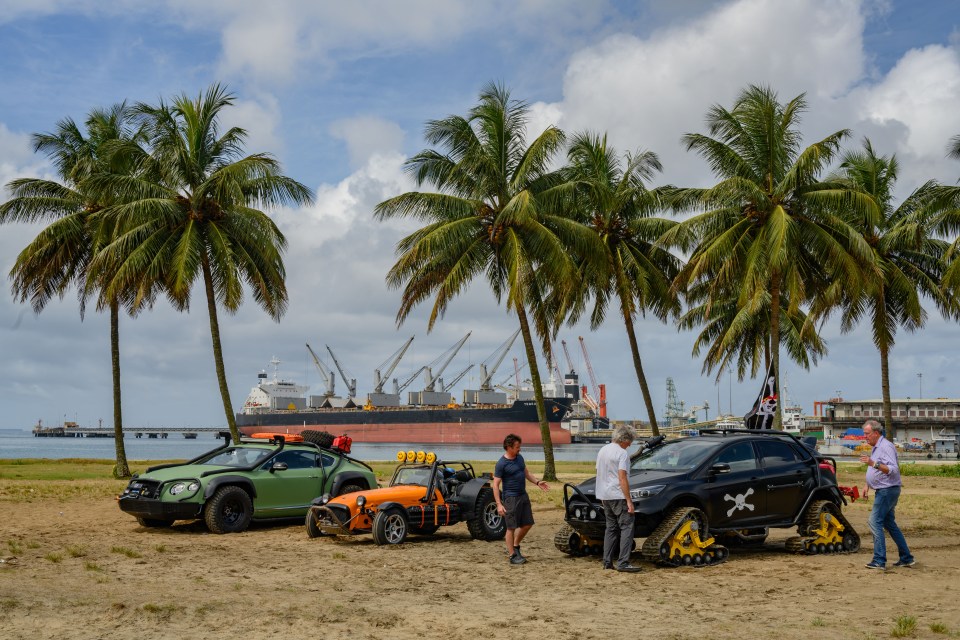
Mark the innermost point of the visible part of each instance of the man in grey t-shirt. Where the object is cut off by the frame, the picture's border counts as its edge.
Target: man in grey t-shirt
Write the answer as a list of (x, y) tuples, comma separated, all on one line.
[(613, 491)]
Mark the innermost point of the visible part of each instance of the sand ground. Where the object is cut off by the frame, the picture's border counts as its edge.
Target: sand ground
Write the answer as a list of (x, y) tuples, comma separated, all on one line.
[(114, 579)]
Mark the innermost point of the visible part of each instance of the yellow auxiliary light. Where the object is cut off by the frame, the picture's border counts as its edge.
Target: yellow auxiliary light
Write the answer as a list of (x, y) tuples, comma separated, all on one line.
[(431, 456), (421, 456), (411, 455), (401, 456)]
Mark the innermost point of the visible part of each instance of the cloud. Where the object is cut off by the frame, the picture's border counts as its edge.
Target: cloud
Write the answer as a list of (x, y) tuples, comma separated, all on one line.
[(261, 118), (366, 136)]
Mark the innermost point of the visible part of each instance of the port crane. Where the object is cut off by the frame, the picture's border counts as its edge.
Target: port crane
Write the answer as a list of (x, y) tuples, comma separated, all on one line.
[(328, 378), (393, 360), (497, 356), (599, 390), (446, 387), (452, 351), (397, 388), (350, 382)]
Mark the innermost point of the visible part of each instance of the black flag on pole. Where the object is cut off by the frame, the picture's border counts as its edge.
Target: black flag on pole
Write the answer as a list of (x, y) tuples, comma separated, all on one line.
[(765, 406)]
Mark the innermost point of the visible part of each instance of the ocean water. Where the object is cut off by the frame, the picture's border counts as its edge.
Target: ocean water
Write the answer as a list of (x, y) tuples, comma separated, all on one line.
[(22, 444)]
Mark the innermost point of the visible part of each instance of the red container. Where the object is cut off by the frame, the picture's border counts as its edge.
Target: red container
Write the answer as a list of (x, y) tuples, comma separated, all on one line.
[(343, 443)]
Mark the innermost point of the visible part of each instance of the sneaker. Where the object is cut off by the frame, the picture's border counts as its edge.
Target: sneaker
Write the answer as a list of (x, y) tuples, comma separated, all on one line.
[(904, 563), (607, 565), (516, 551), (628, 568), (517, 559), (873, 564)]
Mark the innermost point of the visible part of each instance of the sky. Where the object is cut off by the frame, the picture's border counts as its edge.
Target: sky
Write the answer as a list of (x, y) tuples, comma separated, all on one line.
[(340, 93)]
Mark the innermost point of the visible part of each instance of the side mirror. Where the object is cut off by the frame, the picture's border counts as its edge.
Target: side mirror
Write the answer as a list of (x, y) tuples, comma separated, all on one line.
[(720, 467), (278, 466)]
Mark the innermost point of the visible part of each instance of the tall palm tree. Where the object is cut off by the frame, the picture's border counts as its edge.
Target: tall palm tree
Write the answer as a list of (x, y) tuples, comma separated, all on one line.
[(484, 219), (61, 254), (768, 230), (949, 226), (191, 214), (610, 197), (905, 250)]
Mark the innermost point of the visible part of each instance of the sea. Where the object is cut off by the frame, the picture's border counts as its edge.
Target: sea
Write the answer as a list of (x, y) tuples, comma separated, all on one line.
[(15, 443)]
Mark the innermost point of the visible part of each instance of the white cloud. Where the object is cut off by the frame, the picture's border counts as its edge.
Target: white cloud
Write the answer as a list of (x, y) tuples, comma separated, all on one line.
[(920, 93), (260, 117), (366, 136)]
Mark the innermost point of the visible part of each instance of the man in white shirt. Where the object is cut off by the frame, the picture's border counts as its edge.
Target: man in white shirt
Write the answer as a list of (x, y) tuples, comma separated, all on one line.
[(613, 490)]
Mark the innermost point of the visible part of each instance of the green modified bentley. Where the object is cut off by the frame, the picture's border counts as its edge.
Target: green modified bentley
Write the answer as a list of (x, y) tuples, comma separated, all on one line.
[(258, 479)]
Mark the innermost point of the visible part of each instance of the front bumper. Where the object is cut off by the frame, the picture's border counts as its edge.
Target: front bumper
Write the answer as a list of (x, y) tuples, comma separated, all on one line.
[(331, 522), (160, 510)]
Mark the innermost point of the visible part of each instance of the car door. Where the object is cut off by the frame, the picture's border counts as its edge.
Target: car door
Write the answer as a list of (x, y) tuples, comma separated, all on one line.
[(737, 498), (787, 478), (288, 491)]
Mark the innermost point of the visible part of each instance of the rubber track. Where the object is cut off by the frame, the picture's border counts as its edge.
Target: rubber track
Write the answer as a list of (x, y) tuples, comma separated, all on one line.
[(562, 540), (811, 521), (651, 546)]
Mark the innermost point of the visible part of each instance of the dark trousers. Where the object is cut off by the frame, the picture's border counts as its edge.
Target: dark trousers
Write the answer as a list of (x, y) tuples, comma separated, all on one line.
[(619, 533)]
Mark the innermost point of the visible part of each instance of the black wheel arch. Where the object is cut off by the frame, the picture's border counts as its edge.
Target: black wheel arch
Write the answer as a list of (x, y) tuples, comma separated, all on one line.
[(221, 481), (469, 495), (348, 477)]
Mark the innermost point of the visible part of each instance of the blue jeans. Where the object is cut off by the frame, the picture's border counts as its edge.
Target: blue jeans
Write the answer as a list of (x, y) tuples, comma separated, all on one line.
[(882, 517)]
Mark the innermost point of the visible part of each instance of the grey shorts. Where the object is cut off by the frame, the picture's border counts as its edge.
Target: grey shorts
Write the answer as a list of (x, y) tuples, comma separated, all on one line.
[(519, 511)]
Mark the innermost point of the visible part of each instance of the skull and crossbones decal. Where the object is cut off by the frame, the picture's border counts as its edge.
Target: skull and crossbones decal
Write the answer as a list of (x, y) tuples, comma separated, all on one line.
[(740, 502)]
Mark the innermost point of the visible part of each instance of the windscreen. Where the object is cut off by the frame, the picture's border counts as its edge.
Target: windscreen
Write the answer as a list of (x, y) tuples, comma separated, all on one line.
[(675, 455)]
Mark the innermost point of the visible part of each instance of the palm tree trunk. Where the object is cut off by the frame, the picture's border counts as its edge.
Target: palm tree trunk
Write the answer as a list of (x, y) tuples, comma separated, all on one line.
[(891, 432), (217, 349), (121, 469), (549, 468), (775, 342), (635, 351)]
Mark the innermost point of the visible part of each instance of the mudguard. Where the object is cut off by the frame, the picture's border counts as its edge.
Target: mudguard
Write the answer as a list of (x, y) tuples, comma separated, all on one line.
[(220, 481), (347, 477), (467, 499)]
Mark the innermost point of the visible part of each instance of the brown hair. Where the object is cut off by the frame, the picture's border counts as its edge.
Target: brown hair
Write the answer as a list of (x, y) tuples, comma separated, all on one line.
[(511, 440)]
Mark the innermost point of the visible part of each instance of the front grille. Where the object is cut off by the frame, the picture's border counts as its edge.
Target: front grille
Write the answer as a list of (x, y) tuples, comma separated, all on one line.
[(341, 512), (142, 489)]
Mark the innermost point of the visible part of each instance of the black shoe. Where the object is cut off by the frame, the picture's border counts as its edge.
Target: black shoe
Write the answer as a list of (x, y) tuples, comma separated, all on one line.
[(628, 568), (873, 564), (516, 558), (516, 551), (607, 565), (904, 563)]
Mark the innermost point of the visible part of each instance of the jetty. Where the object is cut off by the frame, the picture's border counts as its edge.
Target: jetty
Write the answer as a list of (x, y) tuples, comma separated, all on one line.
[(73, 430)]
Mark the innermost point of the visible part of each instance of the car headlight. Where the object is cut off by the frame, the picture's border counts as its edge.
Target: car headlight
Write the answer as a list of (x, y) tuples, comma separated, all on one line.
[(325, 498), (361, 500), (646, 492), (193, 486), (178, 488)]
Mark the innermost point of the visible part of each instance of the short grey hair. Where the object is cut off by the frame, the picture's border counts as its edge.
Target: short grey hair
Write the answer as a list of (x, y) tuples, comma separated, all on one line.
[(624, 433), (874, 426)]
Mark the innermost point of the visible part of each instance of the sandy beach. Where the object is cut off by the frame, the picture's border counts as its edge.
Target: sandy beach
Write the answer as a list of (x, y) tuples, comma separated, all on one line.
[(76, 567)]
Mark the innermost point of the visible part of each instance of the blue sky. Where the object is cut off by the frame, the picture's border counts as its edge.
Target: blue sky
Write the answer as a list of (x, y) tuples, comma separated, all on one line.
[(339, 92)]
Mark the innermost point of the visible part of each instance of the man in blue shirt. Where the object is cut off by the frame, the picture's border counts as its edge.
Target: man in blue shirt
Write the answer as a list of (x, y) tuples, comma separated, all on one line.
[(883, 476), (511, 475)]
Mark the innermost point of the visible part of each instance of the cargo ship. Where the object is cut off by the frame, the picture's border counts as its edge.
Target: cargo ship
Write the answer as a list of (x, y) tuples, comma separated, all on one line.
[(282, 406)]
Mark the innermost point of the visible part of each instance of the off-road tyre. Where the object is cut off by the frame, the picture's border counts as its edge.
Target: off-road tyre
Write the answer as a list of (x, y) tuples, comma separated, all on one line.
[(390, 527), (569, 541), (230, 510), (350, 488), (487, 524), (310, 523), (154, 523), (322, 439)]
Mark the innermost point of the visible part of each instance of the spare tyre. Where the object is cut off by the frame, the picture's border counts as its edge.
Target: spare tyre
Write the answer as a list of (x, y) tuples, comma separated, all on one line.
[(322, 439)]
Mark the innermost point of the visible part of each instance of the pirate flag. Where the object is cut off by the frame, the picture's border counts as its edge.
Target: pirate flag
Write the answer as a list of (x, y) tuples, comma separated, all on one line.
[(765, 406)]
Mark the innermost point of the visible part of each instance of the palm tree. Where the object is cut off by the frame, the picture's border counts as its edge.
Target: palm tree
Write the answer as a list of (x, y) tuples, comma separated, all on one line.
[(905, 250), (484, 219), (769, 231), (191, 214), (61, 254), (611, 198)]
